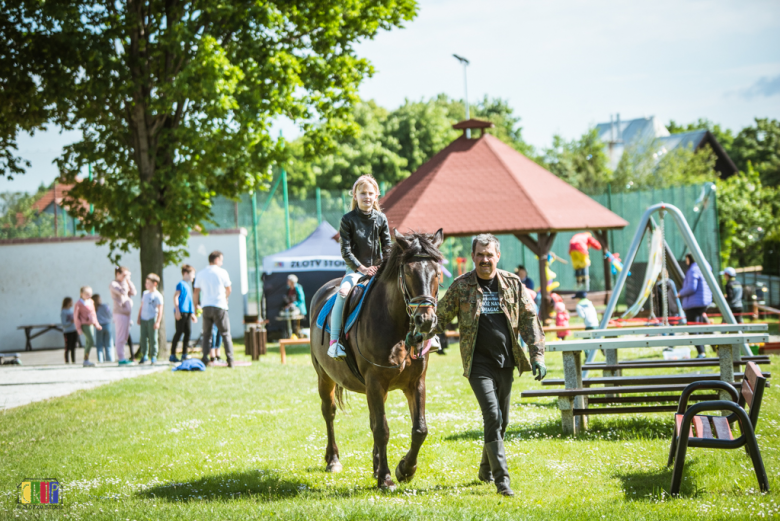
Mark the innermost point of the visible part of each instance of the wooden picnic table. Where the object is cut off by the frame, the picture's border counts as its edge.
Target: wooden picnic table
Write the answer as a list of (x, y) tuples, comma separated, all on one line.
[(29, 335), (572, 357), (665, 330)]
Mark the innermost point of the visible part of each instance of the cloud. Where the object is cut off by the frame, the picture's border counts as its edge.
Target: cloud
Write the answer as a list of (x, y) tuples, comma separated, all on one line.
[(763, 87)]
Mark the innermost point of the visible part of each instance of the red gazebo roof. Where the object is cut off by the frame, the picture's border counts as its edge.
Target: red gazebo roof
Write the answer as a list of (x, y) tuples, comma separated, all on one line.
[(483, 185)]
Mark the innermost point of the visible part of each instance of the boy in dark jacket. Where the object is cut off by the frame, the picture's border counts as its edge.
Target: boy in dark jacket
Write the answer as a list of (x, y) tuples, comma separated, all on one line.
[(733, 293)]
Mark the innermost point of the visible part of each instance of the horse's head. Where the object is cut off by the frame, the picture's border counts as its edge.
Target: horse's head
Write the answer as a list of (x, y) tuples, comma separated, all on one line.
[(418, 275)]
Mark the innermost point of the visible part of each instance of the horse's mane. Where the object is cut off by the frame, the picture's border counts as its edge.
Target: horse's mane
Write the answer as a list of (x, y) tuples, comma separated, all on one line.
[(421, 244)]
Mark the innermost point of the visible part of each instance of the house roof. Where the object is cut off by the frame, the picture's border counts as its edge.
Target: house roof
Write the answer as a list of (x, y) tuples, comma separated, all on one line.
[(638, 134), (483, 185), (55, 194)]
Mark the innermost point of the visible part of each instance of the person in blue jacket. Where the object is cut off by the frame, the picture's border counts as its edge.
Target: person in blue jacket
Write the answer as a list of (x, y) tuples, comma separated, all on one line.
[(696, 295), (295, 299)]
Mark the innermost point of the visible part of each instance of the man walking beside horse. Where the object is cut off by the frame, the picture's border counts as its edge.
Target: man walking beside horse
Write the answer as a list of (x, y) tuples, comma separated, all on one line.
[(492, 308)]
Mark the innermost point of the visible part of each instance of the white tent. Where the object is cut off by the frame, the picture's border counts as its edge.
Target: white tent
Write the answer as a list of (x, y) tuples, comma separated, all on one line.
[(317, 252), (315, 261)]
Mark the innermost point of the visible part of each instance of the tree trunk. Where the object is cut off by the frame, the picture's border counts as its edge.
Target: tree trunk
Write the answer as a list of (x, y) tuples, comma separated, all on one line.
[(152, 261)]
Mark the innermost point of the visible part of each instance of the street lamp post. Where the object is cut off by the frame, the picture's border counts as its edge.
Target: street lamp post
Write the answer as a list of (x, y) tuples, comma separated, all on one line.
[(465, 63)]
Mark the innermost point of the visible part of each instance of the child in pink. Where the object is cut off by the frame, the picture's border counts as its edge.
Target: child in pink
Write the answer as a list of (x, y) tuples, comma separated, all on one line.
[(85, 320), (122, 289), (562, 319)]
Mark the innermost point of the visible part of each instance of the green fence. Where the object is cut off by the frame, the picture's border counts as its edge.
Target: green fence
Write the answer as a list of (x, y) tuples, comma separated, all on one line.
[(306, 212)]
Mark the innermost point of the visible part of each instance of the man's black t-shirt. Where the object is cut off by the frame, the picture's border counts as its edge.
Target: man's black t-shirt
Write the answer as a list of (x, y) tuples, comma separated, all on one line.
[(494, 341)]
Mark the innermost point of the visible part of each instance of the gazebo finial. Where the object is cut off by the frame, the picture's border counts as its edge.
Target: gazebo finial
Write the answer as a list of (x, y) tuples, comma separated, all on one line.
[(473, 123)]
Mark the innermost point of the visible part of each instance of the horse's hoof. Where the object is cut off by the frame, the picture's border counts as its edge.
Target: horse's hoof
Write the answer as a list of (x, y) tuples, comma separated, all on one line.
[(334, 466), (387, 485), (402, 476)]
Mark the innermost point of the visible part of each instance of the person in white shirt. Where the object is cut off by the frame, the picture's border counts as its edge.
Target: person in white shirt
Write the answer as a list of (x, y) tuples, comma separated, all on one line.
[(211, 291), (586, 311)]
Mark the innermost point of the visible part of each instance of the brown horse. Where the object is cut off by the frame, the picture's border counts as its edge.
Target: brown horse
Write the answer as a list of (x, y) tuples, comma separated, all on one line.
[(401, 300)]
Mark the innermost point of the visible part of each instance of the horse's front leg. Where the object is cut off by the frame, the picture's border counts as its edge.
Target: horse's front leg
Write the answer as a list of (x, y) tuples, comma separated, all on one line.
[(376, 395), (416, 398)]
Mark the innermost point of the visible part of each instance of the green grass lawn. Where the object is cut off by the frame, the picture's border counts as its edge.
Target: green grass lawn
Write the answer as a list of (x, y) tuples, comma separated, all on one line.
[(249, 443)]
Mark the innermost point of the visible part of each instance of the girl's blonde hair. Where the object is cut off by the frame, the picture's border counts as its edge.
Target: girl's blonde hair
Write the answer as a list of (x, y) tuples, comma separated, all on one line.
[(85, 288), (363, 179)]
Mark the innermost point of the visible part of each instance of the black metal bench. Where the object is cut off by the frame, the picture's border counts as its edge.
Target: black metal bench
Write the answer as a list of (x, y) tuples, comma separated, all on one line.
[(686, 419)]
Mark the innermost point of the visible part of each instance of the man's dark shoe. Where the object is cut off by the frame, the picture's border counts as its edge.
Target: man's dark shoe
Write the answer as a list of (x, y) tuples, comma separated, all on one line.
[(230, 364), (497, 457), (484, 474)]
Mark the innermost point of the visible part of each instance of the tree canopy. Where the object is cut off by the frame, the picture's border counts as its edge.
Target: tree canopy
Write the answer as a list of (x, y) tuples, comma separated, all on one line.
[(391, 144), (175, 99)]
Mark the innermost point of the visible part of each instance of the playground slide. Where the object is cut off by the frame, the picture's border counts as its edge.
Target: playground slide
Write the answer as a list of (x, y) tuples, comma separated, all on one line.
[(654, 267)]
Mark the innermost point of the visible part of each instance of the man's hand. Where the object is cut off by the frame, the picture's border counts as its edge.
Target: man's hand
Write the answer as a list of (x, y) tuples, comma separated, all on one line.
[(176, 314), (540, 368), (194, 318), (99, 327), (157, 326)]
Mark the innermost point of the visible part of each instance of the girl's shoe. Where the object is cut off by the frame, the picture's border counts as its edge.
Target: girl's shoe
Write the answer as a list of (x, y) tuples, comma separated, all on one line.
[(87, 363), (336, 350), (143, 360), (154, 360), (125, 362)]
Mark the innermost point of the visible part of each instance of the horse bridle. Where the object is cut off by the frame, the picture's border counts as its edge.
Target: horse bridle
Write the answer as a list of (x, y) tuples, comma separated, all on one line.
[(413, 304)]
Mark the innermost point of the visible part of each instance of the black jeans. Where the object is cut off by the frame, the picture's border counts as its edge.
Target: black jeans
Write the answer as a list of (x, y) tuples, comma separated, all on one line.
[(695, 315), (213, 315), (493, 389), (70, 346), (183, 328), (737, 312)]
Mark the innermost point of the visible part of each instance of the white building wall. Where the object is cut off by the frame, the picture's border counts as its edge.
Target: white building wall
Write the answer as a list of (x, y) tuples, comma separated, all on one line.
[(36, 274)]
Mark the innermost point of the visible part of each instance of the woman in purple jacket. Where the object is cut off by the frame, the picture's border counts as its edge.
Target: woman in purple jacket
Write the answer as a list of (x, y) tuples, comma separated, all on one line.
[(696, 295)]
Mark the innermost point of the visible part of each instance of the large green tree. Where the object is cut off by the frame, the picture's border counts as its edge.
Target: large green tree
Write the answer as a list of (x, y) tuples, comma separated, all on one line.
[(580, 162), (759, 145), (175, 98), (748, 217)]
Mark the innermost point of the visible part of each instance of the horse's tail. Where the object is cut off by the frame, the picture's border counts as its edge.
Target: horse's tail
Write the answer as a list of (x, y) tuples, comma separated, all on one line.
[(341, 397)]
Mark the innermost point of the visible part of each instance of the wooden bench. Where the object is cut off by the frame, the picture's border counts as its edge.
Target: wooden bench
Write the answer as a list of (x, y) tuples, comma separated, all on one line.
[(28, 336), (570, 410), (663, 364), (619, 381), (714, 432), (665, 330), (572, 363), (291, 342)]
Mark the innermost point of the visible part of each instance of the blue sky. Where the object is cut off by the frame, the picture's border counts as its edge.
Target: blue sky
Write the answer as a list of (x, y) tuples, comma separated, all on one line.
[(563, 65)]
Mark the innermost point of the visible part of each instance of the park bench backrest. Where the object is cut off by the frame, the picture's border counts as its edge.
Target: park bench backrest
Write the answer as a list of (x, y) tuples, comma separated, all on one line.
[(752, 391)]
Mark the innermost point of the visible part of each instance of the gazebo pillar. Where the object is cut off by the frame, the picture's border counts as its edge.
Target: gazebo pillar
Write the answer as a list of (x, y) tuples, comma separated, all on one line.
[(541, 248), (603, 237)]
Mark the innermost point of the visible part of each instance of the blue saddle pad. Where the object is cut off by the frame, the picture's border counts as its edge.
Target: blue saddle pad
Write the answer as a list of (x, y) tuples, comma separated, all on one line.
[(322, 318)]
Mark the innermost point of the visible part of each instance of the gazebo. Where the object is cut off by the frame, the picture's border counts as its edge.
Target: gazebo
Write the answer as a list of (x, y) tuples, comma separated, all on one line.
[(482, 185)]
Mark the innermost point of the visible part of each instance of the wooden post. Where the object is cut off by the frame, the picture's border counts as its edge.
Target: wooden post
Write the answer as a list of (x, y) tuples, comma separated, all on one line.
[(540, 248), (726, 357), (572, 377), (603, 237)]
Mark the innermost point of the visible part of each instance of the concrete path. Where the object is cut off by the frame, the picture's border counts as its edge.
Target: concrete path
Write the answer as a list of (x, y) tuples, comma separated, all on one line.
[(20, 385)]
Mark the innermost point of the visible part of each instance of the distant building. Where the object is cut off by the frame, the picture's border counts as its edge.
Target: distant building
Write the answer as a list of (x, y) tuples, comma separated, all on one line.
[(52, 202), (636, 135)]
